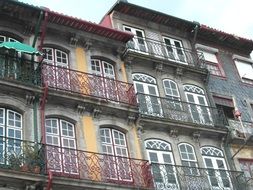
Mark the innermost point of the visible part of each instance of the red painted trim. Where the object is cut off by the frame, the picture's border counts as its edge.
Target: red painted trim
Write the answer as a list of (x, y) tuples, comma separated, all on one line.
[(43, 29), (50, 179), (90, 27), (42, 113), (106, 21)]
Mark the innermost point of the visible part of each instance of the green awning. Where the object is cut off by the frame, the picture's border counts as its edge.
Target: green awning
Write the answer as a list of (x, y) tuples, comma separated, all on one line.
[(20, 47)]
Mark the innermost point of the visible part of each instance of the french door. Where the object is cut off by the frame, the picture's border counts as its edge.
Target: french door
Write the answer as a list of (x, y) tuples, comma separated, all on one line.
[(57, 75), (163, 170), (103, 83), (138, 43), (174, 50), (217, 175), (116, 164), (148, 98), (61, 146), (200, 113)]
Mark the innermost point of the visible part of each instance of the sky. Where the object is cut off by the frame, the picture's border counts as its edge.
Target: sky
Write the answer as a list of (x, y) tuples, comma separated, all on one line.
[(231, 16)]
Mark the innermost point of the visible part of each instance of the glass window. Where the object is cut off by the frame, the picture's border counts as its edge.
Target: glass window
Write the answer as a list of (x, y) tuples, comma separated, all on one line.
[(215, 163), (55, 57), (162, 163), (61, 146), (188, 159), (245, 71), (11, 128)]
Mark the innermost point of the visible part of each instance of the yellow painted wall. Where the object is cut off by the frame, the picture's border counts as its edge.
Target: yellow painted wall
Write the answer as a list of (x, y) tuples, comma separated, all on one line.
[(123, 71), (246, 152), (87, 121), (81, 60), (137, 144)]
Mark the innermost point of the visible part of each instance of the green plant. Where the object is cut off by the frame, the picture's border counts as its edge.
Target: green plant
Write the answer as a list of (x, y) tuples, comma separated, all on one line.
[(32, 156)]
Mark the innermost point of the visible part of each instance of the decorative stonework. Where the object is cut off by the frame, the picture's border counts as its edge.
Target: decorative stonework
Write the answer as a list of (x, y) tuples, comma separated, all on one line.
[(131, 120), (196, 136), (173, 133), (73, 41), (158, 67), (30, 99), (80, 109), (179, 72), (96, 112), (87, 45)]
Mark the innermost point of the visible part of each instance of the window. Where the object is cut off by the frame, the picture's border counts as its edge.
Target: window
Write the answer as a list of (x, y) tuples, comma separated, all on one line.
[(147, 93), (162, 162), (138, 42), (103, 83), (172, 94), (212, 63), (245, 70), (188, 158), (56, 73), (61, 146), (113, 143), (174, 50), (10, 134), (198, 105), (216, 167)]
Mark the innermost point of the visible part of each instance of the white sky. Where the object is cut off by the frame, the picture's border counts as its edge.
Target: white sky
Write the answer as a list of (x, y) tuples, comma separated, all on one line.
[(231, 16)]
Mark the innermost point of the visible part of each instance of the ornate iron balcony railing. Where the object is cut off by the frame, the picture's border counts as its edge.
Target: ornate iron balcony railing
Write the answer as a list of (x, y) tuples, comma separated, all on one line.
[(161, 50), (13, 68), (170, 109), (172, 177), (37, 158), (88, 84), (242, 129)]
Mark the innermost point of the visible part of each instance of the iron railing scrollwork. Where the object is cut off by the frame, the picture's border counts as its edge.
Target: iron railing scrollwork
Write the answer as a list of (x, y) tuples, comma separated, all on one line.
[(174, 177), (171, 109), (14, 68), (88, 84), (161, 50)]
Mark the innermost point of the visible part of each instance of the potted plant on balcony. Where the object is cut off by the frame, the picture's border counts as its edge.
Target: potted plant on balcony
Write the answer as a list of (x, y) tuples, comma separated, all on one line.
[(32, 157)]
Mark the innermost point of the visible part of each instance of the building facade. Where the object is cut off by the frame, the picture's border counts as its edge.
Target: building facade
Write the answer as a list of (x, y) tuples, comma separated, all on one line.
[(130, 103)]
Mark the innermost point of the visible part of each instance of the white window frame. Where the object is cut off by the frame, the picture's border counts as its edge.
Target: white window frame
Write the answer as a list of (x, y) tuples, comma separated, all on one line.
[(16, 129), (59, 150), (215, 154), (244, 73), (147, 81), (115, 159), (138, 47), (161, 148), (175, 55)]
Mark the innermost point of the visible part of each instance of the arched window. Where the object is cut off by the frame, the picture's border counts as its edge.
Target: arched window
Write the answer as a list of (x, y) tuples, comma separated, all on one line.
[(188, 158), (147, 92), (198, 105), (215, 163), (6, 38), (61, 145), (172, 94), (102, 68), (113, 143), (103, 83), (10, 133), (56, 73), (161, 158)]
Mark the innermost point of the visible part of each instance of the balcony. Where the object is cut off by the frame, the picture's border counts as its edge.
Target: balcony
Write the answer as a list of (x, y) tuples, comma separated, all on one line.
[(172, 177), (92, 85), (18, 69), (174, 110), (242, 129), (35, 158), (157, 49)]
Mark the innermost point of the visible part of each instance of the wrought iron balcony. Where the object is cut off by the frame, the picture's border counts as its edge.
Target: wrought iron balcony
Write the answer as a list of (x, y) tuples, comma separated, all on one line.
[(172, 177), (37, 158), (88, 84), (13, 68), (243, 129), (161, 50), (174, 110), (99, 167)]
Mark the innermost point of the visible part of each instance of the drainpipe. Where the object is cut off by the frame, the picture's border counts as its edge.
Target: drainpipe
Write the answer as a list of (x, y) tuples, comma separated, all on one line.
[(195, 30), (35, 107), (37, 29)]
